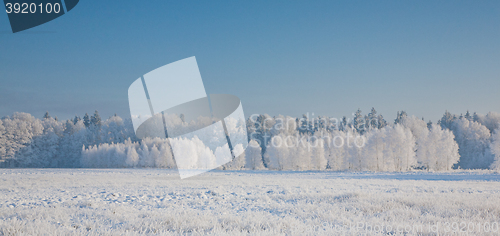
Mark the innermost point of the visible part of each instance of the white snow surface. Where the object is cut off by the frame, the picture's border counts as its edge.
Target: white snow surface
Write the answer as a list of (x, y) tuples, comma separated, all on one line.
[(157, 202)]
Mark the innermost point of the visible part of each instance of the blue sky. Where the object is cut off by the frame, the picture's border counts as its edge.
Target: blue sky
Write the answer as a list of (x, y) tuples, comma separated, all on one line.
[(279, 57)]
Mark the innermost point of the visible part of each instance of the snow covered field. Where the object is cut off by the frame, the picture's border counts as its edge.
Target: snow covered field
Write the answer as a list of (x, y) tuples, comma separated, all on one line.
[(156, 201)]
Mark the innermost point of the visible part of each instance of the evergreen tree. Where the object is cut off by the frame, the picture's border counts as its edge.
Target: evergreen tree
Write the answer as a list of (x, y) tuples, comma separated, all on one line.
[(359, 122), (475, 117), (96, 119), (381, 121), (367, 123), (373, 119), (468, 116), (429, 125), (447, 120), (343, 124), (86, 120), (68, 128), (46, 116), (400, 117), (304, 124), (94, 134), (76, 119)]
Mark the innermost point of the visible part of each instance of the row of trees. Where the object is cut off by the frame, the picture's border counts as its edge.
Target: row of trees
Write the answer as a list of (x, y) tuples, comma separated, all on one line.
[(363, 143), (407, 144), (29, 142), (474, 135)]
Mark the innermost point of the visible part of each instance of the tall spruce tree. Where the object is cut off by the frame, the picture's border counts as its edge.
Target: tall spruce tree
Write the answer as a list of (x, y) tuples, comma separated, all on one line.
[(86, 120), (373, 119), (96, 119), (46, 116), (359, 122), (76, 120)]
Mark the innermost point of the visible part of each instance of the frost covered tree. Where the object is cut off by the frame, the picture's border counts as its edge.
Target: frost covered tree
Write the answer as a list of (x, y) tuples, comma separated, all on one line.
[(294, 153), (437, 149), (336, 152), (94, 129), (201, 156), (86, 120), (144, 159), (400, 116), (420, 131), (46, 116), (253, 156), (238, 162), (42, 149), (277, 156), (318, 158), (304, 124), (373, 151), (261, 131), (490, 120), (47, 145), (373, 119), (447, 120), (102, 156), (495, 149), (155, 156), (76, 120), (344, 124), (354, 150), (3, 142), (70, 145), (429, 125), (399, 152), (19, 131), (359, 122), (381, 122), (132, 157), (473, 139), (299, 152), (115, 130), (468, 116), (166, 156), (417, 127), (96, 119)]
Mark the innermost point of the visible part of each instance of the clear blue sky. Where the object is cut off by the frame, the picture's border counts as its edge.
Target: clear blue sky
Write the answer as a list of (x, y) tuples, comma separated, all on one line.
[(279, 57)]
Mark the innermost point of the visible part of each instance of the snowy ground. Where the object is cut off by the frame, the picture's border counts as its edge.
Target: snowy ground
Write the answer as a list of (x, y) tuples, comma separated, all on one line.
[(152, 201)]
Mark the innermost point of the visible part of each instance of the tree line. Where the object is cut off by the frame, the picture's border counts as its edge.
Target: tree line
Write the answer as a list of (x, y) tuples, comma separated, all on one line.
[(361, 143)]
